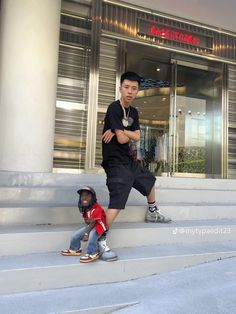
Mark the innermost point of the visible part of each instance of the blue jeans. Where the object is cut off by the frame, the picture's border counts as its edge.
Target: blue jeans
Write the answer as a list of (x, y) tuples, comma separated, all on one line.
[(92, 247)]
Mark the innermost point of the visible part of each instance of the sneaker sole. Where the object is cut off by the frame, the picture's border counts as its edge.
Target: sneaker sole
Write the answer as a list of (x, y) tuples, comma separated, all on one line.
[(158, 221), (111, 258), (89, 260), (71, 254)]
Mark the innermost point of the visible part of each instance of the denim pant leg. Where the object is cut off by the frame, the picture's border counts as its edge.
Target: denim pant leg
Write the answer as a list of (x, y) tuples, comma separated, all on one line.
[(75, 243), (92, 247)]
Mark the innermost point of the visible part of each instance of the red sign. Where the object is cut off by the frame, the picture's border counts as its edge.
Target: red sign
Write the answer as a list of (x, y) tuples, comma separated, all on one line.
[(172, 34)]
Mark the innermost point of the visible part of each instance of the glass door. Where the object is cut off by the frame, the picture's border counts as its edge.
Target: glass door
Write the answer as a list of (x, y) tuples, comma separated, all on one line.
[(196, 121), (153, 105), (180, 110)]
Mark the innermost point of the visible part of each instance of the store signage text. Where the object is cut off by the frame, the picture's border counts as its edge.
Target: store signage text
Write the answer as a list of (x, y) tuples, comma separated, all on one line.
[(165, 34), (172, 34)]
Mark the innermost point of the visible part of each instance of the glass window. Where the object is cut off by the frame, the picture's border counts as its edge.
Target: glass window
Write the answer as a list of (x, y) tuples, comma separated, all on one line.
[(72, 91), (198, 121)]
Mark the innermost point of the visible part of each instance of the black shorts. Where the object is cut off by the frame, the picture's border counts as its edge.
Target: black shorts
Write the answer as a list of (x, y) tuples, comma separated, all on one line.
[(121, 179)]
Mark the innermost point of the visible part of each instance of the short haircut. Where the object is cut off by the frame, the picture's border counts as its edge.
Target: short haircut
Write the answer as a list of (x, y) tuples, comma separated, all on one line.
[(130, 76)]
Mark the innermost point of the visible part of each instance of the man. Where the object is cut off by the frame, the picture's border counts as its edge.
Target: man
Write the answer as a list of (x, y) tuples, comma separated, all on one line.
[(121, 128)]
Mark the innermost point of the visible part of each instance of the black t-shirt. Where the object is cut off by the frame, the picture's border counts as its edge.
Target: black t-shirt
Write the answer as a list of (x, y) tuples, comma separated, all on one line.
[(113, 152)]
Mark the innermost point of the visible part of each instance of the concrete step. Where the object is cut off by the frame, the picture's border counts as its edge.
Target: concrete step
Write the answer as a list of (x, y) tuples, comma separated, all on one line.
[(61, 215), (70, 215), (52, 198), (67, 196), (37, 272), (199, 212), (37, 179), (26, 179), (59, 190), (18, 240), (21, 304), (205, 288)]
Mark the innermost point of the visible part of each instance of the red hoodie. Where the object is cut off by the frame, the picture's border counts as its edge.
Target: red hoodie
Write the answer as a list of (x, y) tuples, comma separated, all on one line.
[(96, 212)]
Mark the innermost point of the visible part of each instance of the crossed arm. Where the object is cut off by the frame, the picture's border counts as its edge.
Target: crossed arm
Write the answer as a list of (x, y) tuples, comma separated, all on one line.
[(122, 136)]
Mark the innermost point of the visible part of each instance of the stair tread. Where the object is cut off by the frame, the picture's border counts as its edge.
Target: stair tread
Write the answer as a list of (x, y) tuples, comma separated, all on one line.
[(204, 285), (68, 227), (54, 259)]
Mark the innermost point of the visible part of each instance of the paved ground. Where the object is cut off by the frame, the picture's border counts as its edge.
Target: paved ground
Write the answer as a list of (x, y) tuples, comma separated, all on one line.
[(207, 288)]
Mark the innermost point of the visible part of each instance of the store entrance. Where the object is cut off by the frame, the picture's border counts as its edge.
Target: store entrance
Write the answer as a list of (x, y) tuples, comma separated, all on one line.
[(153, 104), (180, 113), (196, 120)]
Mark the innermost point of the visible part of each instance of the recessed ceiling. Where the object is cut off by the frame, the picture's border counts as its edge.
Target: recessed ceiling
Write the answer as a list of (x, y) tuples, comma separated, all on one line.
[(153, 107)]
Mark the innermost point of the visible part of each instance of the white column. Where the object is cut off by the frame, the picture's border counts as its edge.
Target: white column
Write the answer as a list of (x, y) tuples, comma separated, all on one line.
[(29, 43)]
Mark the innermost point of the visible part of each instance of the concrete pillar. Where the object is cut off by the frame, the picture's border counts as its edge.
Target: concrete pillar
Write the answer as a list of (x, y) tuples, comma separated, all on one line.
[(29, 43)]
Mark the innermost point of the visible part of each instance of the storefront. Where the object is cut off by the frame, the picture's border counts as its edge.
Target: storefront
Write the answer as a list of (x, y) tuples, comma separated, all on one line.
[(187, 97)]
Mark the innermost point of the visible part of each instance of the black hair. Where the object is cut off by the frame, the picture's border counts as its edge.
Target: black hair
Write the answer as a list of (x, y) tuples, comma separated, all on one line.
[(130, 76)]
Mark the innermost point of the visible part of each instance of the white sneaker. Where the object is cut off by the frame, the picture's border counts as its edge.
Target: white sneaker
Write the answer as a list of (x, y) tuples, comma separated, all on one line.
[(103, 247), (156, 216), (106, 254)]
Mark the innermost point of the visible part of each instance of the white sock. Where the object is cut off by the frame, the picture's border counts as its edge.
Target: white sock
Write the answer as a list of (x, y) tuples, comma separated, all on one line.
[(152, 207)]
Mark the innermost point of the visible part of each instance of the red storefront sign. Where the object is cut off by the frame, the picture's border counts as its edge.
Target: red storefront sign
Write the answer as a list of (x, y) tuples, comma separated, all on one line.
[(165, 34), (171, 34)]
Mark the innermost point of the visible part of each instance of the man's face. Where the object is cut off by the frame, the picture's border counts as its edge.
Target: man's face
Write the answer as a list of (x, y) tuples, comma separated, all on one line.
[(86, 198), (128, 90)]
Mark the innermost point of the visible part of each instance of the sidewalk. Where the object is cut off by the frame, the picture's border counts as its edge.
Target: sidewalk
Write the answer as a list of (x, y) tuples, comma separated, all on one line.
[(207, 288)]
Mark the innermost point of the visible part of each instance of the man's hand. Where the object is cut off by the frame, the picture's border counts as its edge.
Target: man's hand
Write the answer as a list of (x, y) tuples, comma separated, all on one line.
[(107, 136)]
